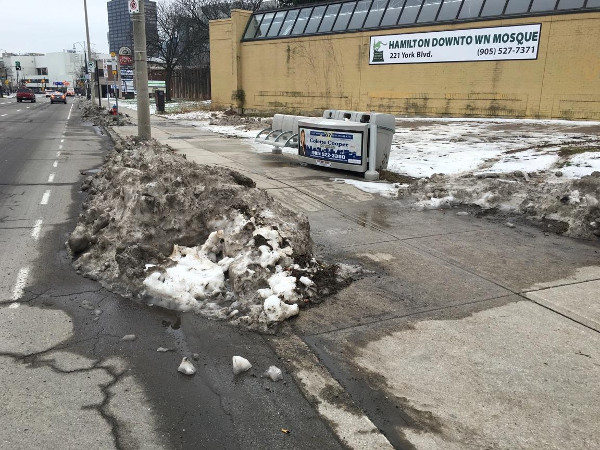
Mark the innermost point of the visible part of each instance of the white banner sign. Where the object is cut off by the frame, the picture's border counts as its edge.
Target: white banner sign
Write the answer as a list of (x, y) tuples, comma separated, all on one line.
[(477, 44)]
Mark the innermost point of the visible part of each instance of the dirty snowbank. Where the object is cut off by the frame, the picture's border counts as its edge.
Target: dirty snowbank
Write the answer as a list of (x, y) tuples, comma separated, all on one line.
[(176, 234), (100, 116), (570, 208)]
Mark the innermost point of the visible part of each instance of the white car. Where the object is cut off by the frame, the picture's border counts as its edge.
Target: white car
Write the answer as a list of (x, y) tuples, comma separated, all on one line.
[(49, 92)]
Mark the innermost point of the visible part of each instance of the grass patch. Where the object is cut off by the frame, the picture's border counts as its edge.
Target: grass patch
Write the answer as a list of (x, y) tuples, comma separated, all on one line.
[(393, 177), (565, 152)]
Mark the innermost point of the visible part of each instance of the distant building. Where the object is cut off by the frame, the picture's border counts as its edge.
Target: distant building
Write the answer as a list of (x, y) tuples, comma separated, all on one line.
[(41, 71), (120, 26)]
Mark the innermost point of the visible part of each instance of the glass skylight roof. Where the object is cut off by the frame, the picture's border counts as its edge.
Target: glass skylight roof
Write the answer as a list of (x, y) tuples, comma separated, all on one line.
[(337, 17)]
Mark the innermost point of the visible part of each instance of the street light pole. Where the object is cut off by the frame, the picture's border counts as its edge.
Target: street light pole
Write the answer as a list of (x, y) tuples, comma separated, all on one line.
[(141, 72), (89, 49)]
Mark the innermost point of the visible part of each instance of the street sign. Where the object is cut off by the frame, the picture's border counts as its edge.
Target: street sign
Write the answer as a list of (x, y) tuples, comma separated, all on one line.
[(58, 83), (134, 6), (113, 54), (91, 65), (125, 60), (114, 72)]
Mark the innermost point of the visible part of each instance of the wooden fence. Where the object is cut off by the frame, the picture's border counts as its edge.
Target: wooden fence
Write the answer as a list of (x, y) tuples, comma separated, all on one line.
[(188, 83)]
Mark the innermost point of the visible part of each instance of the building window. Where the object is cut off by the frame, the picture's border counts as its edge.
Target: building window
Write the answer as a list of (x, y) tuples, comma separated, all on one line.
[(41, 71)]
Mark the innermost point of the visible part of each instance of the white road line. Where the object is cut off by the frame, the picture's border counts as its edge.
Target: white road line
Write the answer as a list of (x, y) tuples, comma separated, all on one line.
[(69, 116), (18, 110), (45, 197), (17, 292), (2, 115), (57, 154), (35, 233), (62, 140), (55, 164), (51, 178), (60, 147)]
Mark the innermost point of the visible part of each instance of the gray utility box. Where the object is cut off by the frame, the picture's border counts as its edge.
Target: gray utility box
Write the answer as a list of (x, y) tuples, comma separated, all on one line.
[(347, 140)]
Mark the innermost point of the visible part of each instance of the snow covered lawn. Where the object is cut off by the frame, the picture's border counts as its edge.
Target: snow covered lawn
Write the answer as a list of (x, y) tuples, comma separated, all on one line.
[(457, 146)]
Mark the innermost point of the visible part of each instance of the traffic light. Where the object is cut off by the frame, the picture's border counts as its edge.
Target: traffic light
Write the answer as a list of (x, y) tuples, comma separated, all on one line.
[(18, 65)]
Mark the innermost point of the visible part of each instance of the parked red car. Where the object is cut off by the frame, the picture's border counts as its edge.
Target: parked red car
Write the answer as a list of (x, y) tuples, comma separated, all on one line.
[(25, 94)]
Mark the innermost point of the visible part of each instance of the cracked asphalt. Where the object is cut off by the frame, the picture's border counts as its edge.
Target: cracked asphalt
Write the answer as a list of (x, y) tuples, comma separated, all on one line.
[(67, 379)]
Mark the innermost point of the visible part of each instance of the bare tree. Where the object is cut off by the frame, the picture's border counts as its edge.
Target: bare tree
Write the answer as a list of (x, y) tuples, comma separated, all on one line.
[(176, 42), (202, 11)]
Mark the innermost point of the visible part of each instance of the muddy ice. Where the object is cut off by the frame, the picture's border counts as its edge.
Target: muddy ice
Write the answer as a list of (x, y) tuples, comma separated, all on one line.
[(168, 232)]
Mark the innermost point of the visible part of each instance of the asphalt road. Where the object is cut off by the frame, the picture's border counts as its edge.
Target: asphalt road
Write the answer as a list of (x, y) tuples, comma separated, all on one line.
[(66, 376)]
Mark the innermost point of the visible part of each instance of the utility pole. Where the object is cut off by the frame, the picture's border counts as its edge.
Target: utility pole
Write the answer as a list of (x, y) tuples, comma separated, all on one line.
[(89, 50), (141, 69)]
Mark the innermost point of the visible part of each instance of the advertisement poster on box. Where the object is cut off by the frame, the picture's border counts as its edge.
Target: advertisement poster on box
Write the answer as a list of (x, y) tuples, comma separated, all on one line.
[(328, 145)]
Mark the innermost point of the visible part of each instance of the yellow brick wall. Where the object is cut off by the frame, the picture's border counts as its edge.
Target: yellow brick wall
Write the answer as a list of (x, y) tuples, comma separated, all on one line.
[(309, 74)]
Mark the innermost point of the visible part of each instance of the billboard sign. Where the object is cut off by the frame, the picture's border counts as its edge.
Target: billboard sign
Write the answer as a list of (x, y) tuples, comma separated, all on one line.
[(339, 146), (519, 42)]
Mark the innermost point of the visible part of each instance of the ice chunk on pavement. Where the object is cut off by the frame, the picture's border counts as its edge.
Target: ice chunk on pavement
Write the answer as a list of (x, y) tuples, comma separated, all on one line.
[(240, 365), (274, 373), (128, 337), (186, 367), (277, 311)]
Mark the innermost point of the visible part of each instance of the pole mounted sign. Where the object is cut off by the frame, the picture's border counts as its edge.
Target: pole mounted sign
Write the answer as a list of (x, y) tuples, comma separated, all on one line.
[(134, 7), (125, 60)]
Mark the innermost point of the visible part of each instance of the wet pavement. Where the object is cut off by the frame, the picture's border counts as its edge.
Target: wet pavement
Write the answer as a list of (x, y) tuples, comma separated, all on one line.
[(463, 332)]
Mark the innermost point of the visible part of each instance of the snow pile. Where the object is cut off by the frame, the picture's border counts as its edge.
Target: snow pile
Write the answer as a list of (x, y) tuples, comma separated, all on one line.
[(101, 116), (570, 207), (183, 236)]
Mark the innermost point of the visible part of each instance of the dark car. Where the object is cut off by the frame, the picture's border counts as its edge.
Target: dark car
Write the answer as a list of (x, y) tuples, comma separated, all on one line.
[(58, 97), (25, 94)]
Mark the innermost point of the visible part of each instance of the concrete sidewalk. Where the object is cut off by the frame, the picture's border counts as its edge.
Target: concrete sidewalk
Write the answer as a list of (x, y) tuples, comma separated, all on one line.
[(466, 333)]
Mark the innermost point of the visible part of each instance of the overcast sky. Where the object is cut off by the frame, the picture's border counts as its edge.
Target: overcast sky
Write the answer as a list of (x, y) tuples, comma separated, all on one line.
[(43, 26)]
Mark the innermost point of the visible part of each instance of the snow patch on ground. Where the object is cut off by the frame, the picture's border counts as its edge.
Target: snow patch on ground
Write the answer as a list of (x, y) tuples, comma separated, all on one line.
[(389, 190)]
